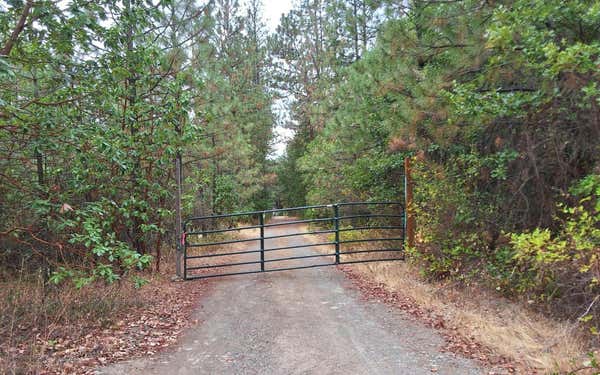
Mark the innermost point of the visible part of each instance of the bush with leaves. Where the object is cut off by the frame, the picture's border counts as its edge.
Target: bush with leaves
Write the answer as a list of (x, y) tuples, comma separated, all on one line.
[(563, 266), (452, 220), (91, 229)]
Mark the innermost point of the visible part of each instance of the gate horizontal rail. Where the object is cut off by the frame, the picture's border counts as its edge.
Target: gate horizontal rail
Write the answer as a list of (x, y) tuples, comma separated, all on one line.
[(204, 231)]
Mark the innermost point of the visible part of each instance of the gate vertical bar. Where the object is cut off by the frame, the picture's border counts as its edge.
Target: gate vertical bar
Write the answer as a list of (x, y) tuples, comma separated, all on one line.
[(261, 222), (336, 214), (183, 246)]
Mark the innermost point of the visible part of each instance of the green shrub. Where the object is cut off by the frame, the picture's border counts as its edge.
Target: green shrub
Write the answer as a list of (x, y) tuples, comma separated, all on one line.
[(449, 221), (460, 236), (564, 264)]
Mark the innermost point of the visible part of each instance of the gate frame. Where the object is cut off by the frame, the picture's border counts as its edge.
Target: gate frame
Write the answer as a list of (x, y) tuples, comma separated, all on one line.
[(336, 218), (409, 221)]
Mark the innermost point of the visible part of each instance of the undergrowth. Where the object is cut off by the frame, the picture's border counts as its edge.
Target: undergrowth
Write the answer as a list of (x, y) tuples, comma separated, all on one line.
[(553, 269), (35, 314)]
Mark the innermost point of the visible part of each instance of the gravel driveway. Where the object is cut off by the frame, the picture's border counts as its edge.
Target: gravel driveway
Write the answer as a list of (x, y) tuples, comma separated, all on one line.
[(305, 321)]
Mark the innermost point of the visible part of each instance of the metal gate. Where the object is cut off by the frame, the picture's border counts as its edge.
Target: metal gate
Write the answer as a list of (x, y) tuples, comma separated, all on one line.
[(251, 242)]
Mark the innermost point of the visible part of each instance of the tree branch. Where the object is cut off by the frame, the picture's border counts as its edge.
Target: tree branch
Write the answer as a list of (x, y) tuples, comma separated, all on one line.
[(17, 30)]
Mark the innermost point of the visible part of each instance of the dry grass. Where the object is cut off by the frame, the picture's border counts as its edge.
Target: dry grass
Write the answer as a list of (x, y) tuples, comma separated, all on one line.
[(221, 249), (39, 320), (34, 315), (503, 326), (215, 249), (509, 329)]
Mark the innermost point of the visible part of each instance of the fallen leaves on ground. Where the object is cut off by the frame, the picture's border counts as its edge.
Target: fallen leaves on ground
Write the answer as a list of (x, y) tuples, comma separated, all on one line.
[(139, 331), (455, 341)]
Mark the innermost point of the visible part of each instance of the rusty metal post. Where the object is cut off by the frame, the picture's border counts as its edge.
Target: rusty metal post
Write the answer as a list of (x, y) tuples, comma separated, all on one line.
[(409, 217)]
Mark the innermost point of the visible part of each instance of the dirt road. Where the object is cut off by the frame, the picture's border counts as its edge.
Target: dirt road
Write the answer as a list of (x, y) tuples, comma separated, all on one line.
[(299, 322)]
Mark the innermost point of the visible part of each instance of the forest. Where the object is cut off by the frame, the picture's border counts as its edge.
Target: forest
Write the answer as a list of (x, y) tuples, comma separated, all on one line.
[(496, 103)]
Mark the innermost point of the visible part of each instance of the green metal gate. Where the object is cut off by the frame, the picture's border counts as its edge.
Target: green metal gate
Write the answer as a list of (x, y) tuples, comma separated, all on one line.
[(342, 229)]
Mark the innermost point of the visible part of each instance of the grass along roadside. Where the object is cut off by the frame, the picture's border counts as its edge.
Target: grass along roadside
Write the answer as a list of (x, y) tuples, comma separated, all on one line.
[(535, 342), (46, 328), (61, 329)]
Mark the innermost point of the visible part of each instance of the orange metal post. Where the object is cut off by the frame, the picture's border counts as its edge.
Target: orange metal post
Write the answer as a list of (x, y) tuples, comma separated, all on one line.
[(409, 209)]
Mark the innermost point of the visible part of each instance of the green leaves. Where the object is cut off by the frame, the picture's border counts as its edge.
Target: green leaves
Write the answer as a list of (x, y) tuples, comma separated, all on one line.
[(92, 228), (565, 257), (6, 70), (500, 105), (96, 101), (61, 274)]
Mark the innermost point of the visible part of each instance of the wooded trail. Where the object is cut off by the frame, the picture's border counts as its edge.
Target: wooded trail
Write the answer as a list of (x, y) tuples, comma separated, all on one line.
[(306, 321)]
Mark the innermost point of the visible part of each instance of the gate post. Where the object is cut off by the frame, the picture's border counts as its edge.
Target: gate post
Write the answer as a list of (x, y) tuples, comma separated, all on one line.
[(180, 251), (261, 222), (336, 214), (409, 219), (184, 255)]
